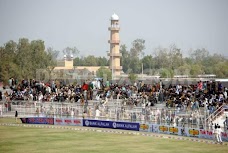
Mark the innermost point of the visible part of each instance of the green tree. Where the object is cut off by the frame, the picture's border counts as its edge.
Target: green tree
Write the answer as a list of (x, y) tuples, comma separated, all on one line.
[(131, 59), (221, 69), (175, 57), (199, 54), (161, 58), (125, 59), (196, 69), (70, 51), (39, 58), (135, 65), (90, 60), (8, 67), (22, 60), (102, 61), (132, 77), (52, 59), (78, 61), (147, 64), (166, 73), (138, 46), (183, 70), (104, 73)]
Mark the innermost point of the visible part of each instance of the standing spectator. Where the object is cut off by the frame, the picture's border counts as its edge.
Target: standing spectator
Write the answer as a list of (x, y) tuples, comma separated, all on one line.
[(219, 131), (38, 112), (40, 97), (89, 112), (225, 93), (225, 124), (16, 115), (0, 95), (84, 115), (219, 86), (97, 113), (10, 82), (1, 110), (72, 113), (85, 95), (215, 133), (200, 85)]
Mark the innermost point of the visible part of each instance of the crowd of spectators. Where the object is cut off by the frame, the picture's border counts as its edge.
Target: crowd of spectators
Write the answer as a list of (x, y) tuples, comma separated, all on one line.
[(208, 95), (33, 90)]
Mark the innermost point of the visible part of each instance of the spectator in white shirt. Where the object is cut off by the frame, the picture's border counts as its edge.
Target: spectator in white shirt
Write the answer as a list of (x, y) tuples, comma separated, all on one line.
[(218, 134), (97, 113)]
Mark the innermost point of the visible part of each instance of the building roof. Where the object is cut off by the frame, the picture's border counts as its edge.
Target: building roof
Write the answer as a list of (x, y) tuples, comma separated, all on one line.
[(114, 17)]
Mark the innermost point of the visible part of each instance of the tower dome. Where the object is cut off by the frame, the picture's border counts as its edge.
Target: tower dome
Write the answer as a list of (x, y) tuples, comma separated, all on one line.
[(114, 17)]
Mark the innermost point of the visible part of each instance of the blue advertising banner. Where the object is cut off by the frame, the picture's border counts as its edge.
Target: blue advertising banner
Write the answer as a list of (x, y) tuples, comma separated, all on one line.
[(97, 123), (111, 124), (126, 126), (38, 120)]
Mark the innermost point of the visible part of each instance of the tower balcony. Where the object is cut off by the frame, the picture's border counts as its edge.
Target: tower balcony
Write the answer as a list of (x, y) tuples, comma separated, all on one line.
[(115, 54), (116, 67), (114, 28), (114, 41)]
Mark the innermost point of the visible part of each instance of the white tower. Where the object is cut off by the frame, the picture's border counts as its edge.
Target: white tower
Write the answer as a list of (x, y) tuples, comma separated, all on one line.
[(114, 41)]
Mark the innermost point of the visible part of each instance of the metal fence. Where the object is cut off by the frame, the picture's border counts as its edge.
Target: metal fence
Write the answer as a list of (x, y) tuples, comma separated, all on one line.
[(112, 110)]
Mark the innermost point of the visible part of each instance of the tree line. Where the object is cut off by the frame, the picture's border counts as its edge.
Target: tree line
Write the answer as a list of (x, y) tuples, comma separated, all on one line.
[(22, 59), (168, 62), (165, 62)]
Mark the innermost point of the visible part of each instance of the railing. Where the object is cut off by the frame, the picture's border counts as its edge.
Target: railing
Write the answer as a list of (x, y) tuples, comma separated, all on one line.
[(112, 110), (212, 117)]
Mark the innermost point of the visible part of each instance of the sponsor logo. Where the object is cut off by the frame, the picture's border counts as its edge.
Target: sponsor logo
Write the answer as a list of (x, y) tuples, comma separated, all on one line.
[(50, 121), (209, 133), (58, 120), (114, 124), (224, 134), (67, 121), (193, 132), (39, 120), (77, 121), (173, 130), (204, 132), (124, 125), (163, 128), (87, 123), (144, 126)]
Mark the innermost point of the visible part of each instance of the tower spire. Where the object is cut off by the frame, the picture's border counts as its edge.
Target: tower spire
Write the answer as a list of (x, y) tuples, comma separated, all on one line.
[(114, 41)]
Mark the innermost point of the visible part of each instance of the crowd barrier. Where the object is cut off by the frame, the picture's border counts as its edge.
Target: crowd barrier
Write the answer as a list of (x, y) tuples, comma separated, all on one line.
[(37, 120), (155, 128), (181, 131), (68, 121), (110, 111), (111, 124)]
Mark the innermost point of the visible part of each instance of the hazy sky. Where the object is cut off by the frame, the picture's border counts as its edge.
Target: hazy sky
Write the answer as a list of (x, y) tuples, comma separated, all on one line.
[(84, 24)]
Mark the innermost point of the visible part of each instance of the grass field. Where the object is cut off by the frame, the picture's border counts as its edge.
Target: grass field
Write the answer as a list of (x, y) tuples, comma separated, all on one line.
[(19, 139)]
